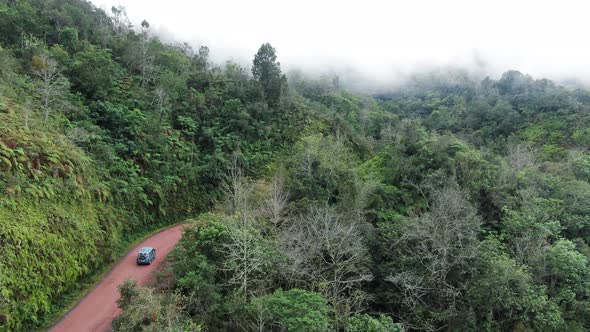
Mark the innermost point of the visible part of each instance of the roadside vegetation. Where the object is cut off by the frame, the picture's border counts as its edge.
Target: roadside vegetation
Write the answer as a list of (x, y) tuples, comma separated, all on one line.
[(450, 203)]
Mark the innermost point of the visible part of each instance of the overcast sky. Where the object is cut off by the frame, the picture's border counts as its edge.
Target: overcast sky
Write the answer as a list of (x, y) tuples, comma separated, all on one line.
[(381, 38)]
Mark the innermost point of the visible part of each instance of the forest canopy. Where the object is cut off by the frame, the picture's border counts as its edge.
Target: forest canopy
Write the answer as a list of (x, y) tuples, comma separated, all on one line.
[(449, 203)]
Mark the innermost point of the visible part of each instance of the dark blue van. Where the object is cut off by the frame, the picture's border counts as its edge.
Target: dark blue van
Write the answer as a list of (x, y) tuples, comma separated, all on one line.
[(146, 256)]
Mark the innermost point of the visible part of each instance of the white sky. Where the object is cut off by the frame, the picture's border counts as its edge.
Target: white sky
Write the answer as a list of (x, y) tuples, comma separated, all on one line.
[(380, 38)]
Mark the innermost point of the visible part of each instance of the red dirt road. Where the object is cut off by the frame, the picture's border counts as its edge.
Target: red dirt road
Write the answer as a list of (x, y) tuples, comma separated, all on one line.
[(96, 311)]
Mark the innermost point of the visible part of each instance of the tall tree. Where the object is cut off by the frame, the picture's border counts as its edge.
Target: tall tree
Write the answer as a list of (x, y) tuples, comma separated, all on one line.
[(435, 252), (146, 60), (277, 200), (51, 82), (267, 71), (325, 249), (246, 257)]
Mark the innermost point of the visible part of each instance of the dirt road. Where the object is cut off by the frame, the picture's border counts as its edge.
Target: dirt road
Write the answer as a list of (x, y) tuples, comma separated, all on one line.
[(96, 311)]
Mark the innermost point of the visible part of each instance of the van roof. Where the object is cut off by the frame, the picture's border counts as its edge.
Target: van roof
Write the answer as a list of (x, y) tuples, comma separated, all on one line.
[(146, 249)]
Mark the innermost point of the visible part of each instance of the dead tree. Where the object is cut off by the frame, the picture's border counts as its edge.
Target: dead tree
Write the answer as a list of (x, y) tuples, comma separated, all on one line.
[(237, 190), (437, 249), (275, 204), (323, 248), (245, 257), (52, 84)]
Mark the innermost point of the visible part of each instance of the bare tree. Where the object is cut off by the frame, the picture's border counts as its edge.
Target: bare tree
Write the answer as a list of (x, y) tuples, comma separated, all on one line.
[(247, 252), (237, 189), (245, 256), (275, 204), (325, 250), (161, 100), (521, 156), (438, 249), (261, 317), (51, 81), (120, 20), (48, 72)]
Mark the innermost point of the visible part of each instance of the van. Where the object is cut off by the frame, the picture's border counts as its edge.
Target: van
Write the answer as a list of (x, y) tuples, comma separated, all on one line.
[(146, 256)]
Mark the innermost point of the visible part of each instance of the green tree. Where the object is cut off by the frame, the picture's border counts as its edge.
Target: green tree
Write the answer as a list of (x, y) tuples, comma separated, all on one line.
[(504, 297), (197, 261), (267, 71), (293, 310), (568, 280), (366, 323), (69, 38), (96, 74)]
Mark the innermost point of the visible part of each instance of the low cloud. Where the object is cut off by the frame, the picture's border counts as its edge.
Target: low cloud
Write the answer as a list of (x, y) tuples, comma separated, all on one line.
[(377, 42)]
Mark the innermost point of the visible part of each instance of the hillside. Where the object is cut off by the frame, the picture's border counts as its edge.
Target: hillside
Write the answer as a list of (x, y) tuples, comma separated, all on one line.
[(449, 203), (105, 134)]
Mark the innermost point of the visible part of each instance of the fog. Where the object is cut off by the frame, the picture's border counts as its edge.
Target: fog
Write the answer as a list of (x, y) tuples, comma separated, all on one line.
[(378, 42)]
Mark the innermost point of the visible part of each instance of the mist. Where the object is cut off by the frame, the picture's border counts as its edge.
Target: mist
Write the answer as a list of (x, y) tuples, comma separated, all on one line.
[(374, 44)]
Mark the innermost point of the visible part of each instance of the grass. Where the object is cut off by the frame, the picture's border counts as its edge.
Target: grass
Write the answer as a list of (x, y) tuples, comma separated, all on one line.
[(68, 300)]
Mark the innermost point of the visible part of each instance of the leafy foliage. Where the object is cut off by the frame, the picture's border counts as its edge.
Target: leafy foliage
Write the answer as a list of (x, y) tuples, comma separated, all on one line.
[(448, 203), (293, 310), (95, 117)]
